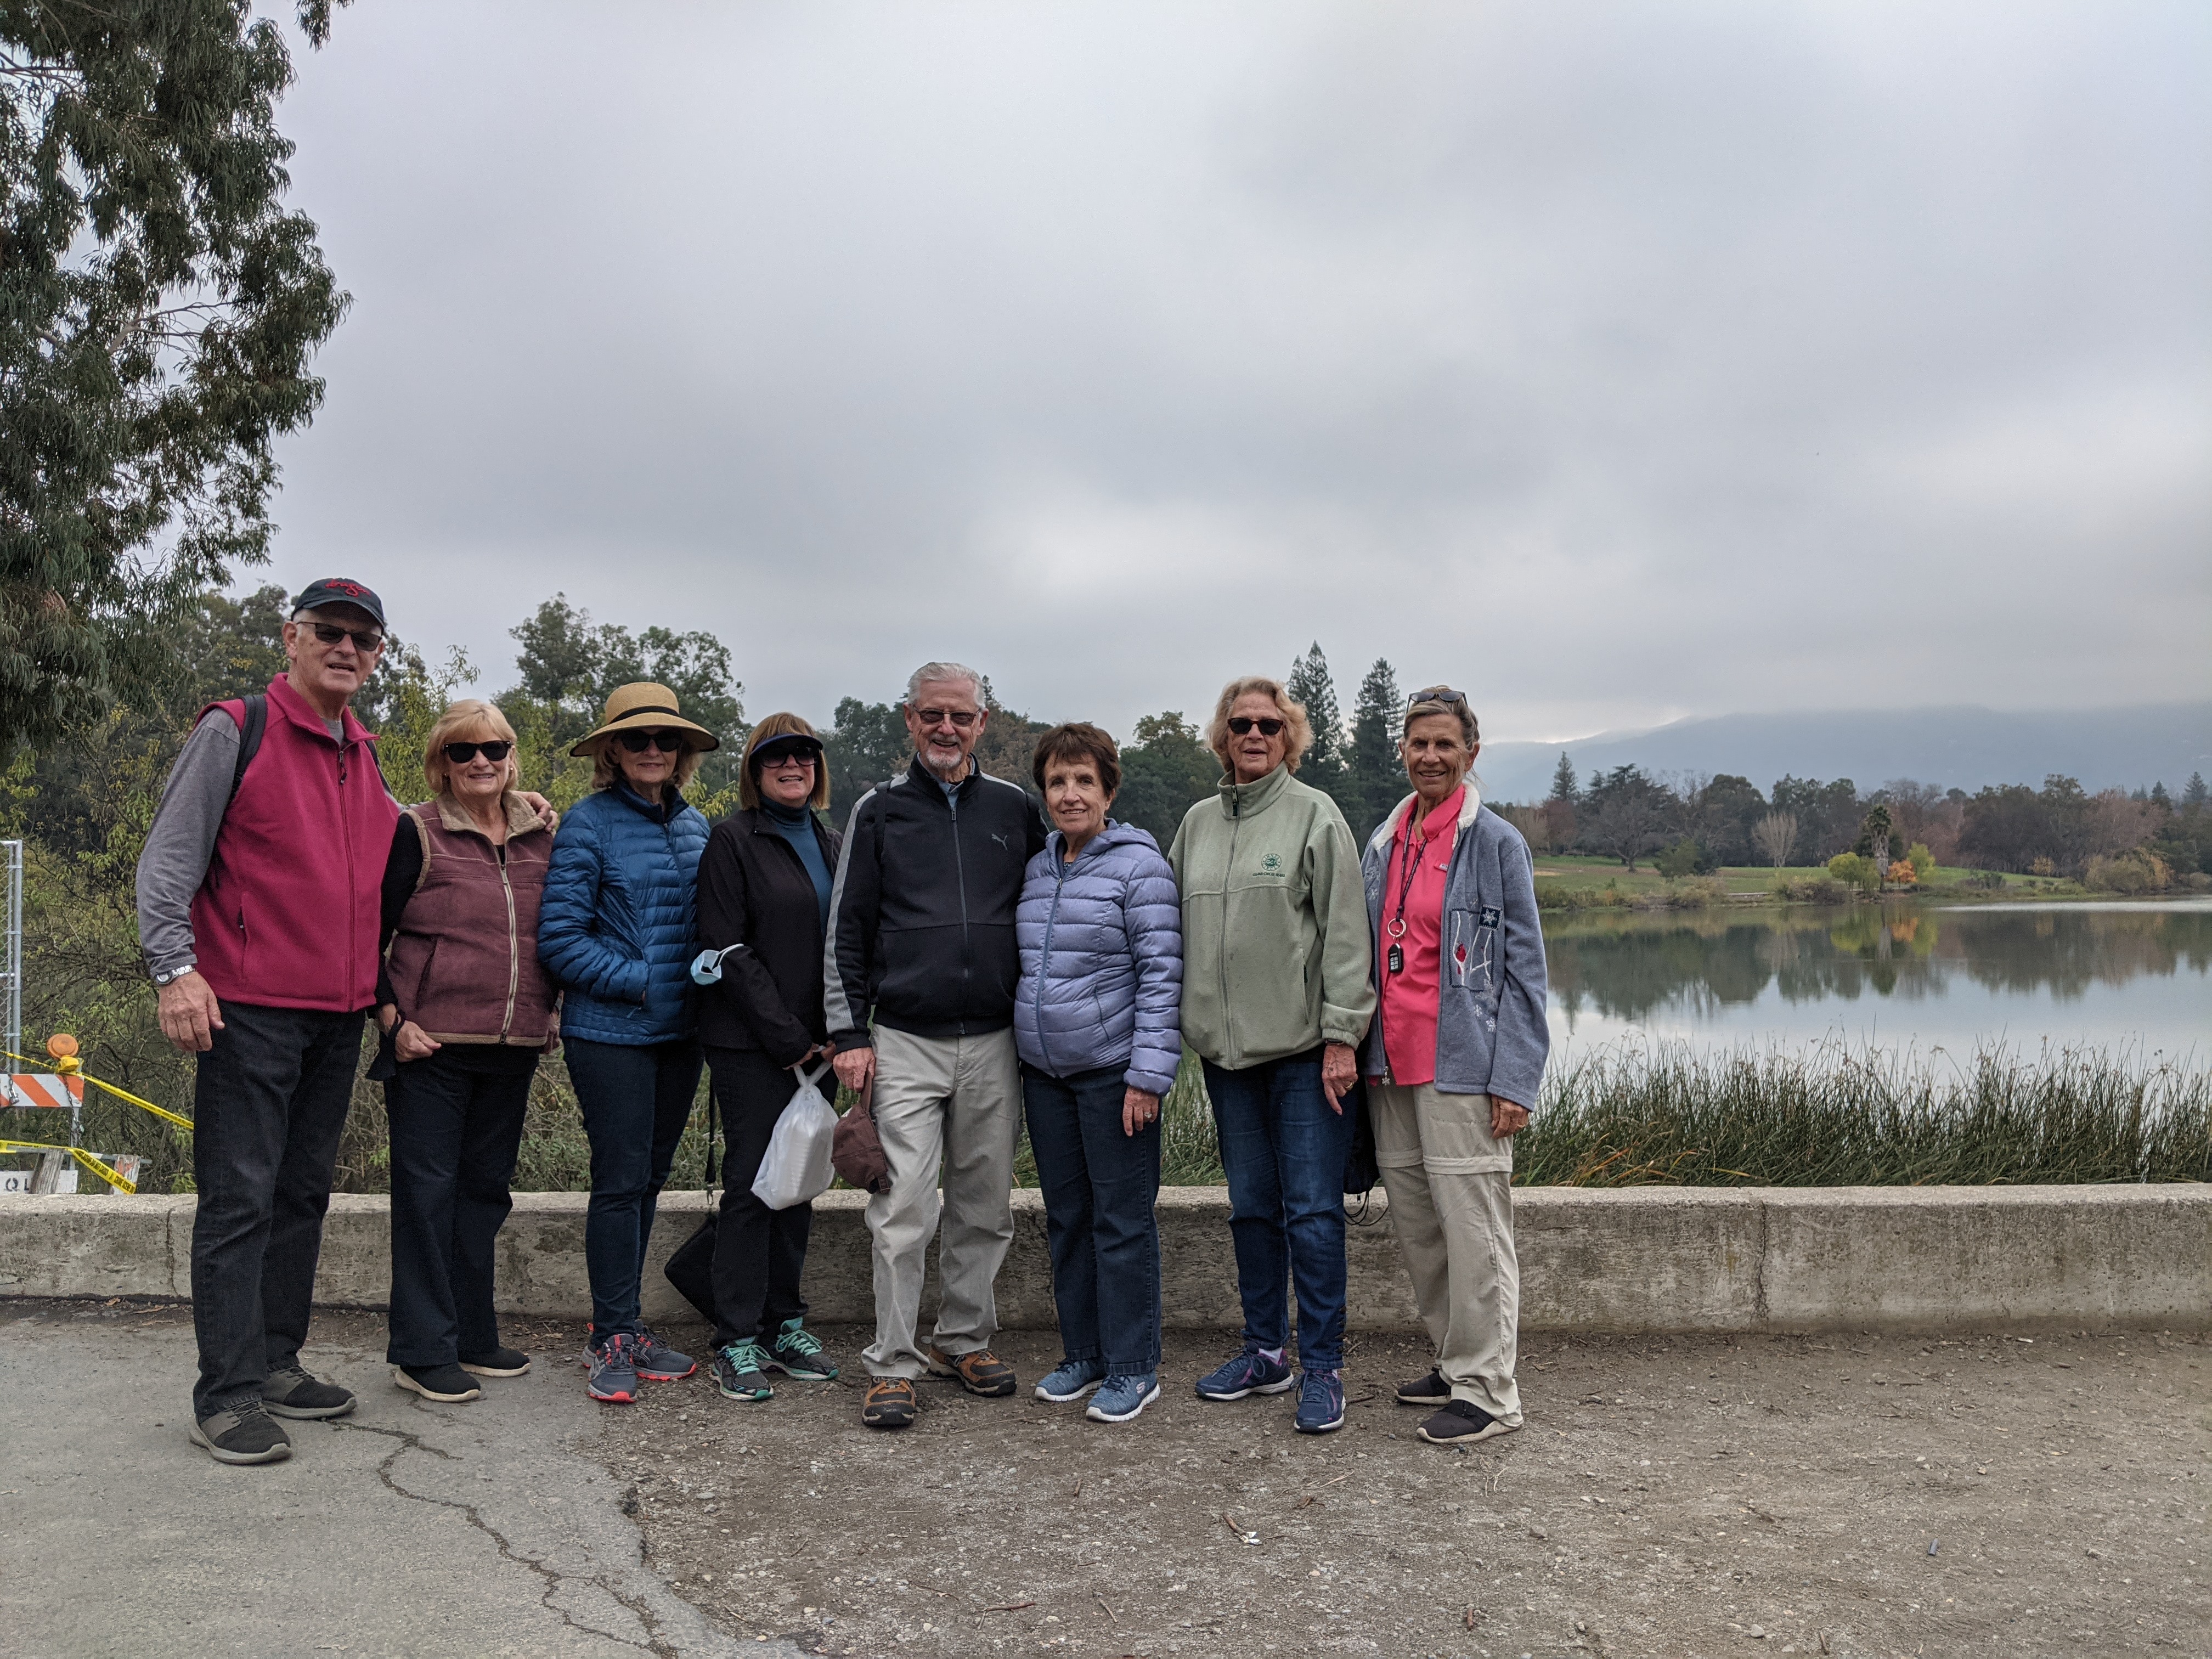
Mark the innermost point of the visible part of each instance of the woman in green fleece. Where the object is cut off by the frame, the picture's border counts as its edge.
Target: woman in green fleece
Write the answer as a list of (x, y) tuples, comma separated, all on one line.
[(1277, 995)]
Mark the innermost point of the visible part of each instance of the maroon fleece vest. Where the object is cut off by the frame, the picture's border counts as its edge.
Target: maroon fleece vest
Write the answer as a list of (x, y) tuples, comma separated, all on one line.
[(463, 962), (288, 914)]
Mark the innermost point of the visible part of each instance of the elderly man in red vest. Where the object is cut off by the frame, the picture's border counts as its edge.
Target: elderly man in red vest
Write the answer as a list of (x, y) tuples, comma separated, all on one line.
[(258, 911)]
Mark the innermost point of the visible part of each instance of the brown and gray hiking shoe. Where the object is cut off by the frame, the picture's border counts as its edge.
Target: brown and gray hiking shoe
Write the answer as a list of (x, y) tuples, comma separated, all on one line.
[(891, 1403), (981, 1372), (241, 1433)]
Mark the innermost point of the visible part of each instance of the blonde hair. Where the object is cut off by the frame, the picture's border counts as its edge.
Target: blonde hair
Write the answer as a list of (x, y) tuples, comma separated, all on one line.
[(774, 726), (471, 719), (605, 768), (1297, 731)]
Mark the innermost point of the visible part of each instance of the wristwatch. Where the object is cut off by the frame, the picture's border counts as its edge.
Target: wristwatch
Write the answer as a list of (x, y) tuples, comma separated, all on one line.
[(170, 975)]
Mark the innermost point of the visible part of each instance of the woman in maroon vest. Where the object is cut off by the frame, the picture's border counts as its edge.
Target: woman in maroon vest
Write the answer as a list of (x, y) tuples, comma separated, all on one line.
[(466, 1013)]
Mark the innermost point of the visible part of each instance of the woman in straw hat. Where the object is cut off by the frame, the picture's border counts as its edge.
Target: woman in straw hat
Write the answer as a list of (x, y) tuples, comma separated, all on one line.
[(617, 929)]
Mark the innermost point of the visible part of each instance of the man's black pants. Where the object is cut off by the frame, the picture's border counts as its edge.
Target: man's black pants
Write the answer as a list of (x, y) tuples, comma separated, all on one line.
[(268, 1107)]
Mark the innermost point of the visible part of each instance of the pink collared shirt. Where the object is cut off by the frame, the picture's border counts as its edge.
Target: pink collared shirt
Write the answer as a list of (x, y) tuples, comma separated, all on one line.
[(1408, 1005)]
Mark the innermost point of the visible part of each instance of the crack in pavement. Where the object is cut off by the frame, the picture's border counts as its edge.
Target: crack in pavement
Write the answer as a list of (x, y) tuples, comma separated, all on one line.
[(656, 1644)]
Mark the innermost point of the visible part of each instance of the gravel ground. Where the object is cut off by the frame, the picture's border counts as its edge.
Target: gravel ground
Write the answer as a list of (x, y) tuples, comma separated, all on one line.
[(1838, 1494)]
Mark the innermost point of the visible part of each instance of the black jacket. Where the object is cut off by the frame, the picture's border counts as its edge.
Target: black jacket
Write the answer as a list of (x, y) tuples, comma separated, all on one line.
[(754, 891), (921, 919)]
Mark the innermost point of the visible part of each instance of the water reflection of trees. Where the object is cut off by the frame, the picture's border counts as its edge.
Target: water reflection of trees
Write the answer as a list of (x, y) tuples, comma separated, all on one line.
[(1629, 967)]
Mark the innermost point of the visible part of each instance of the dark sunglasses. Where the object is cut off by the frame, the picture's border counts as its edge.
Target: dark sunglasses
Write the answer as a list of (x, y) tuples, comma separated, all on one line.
[(498, 748), (1241, 724), (668, 743), (1443, 694), (331, 634), (775, 753), (963, 718)]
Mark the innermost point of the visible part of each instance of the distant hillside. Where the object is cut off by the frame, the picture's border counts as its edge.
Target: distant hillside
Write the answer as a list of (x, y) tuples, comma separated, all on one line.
[(1965, 746)]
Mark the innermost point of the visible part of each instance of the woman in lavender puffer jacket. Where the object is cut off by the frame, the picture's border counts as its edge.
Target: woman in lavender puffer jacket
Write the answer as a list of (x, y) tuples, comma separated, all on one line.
[(1097, 1020)]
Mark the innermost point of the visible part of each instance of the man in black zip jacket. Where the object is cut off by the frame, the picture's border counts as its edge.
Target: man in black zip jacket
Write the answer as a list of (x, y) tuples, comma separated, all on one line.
[(922, 944)]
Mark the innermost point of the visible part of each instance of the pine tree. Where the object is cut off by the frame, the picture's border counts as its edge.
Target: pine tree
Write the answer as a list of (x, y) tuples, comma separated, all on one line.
[(1563, 780), (2193, 794), (1310, 683), (1376, 781)]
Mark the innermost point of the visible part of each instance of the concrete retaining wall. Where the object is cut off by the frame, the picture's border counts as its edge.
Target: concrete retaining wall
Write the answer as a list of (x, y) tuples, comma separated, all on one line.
[(1643, 1259)]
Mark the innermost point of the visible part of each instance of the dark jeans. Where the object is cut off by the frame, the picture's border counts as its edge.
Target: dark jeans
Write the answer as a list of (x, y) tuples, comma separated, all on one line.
[(1284, 1149), (636, 1099), (267, 1107), (759, 1253), (1099, 1187), (456, 1123)]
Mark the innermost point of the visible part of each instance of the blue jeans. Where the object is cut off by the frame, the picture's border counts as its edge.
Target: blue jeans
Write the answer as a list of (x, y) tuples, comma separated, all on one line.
[(1283, 1148), (636, 1100), (1099, 1187)]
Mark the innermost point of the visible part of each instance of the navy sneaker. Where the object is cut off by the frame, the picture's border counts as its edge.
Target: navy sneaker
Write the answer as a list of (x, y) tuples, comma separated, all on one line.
[(1070, 1380), (741, 1372), (1123, 1397), (1321, 1403), (1250, 1372), (797, 1352), (613, 1369), (658, 1363)]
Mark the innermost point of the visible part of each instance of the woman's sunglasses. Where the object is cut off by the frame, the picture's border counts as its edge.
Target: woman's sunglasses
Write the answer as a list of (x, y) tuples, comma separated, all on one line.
[(1242, 724), (462, 753), (771, 754), (668, 743)]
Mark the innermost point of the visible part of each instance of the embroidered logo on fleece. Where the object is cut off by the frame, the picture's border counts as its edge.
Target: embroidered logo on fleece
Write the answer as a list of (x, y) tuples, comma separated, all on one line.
[(1271, 864)]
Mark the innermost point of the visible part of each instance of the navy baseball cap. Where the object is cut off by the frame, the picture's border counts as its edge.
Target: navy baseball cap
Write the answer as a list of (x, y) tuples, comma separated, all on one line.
[(339, 590)]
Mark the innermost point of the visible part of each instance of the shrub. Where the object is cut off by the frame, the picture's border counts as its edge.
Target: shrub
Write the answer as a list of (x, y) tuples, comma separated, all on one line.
[(1699, 893), (1922, 860), (1684, 857), (1854, 870), (1988, 878), (1813, 889), (2136, 871)]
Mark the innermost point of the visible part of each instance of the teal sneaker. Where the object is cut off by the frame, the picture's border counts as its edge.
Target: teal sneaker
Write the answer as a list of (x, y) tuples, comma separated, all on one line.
[(741, 1372), (798, 1353)]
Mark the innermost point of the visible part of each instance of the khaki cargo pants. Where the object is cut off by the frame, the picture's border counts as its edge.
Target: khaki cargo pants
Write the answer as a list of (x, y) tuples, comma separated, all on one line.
[(1451, 1210)]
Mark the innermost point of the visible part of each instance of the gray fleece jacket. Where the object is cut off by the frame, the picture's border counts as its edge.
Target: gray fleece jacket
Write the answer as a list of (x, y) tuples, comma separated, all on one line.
[(1491, 1034)]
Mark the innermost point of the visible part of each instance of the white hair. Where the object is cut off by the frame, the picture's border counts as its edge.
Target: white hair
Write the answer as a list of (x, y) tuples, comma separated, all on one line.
[(942, 673)]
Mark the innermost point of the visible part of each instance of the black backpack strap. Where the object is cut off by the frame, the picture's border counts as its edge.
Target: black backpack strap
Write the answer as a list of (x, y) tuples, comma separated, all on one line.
[(249, 737)]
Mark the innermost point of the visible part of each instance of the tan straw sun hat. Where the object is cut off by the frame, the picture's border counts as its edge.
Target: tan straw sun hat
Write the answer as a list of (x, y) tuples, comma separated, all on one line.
[(645, 707)]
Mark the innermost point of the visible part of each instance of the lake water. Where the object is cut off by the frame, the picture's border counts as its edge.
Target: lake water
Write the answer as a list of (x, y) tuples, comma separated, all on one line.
[(2135, 976)]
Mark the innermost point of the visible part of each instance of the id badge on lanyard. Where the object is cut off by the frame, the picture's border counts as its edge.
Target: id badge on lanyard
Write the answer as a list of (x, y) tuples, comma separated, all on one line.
[(1409, 860)]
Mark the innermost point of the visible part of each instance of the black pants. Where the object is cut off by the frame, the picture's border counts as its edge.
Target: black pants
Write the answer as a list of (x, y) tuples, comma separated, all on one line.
[(635, 1101), (456, 1127), (267, 1108), (759, 1253)]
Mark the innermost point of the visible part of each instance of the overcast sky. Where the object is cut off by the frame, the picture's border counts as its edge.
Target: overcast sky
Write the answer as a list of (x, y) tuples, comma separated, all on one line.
[(1615, 362)]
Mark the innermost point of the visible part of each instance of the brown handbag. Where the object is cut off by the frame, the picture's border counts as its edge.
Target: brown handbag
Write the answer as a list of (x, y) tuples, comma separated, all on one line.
[(856, 1151)]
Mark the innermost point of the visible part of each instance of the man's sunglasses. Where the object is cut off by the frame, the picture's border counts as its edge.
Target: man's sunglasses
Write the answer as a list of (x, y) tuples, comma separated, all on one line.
[(668, 743), (331, 634), (1443, 694), (498, 748), (1242, 724), (963, 718)]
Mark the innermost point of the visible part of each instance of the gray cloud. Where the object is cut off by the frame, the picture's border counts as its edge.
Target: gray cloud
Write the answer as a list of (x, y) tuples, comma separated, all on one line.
[(1616, 363)]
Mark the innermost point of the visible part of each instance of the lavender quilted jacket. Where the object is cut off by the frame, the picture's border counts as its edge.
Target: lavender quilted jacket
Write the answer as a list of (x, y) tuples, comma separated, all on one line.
[(1100, 944)]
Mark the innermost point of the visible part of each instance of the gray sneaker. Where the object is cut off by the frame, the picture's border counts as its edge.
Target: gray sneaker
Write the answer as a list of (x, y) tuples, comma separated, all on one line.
[(242, 1433), (293, 1393)]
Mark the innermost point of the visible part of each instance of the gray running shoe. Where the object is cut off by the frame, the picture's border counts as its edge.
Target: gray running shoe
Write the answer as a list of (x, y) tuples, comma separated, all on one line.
[(242, 1433)]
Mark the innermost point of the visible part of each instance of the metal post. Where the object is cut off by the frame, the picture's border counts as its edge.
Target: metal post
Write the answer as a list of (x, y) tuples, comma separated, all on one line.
[(13, 969)]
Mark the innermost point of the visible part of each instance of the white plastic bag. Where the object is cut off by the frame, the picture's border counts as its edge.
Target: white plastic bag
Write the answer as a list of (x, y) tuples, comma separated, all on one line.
[(796, 1168)]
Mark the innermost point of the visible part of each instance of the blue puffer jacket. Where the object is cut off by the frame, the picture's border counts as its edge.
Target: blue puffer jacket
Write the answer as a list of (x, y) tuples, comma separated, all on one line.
[(1100, 944), (619, 923)]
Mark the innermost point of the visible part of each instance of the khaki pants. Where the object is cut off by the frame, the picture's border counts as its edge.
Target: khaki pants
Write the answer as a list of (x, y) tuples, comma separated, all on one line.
[(1451, 1210), (954, 1101)]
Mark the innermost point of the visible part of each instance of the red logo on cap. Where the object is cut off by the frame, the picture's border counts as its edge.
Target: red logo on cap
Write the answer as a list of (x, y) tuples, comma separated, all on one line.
[(344, 586)]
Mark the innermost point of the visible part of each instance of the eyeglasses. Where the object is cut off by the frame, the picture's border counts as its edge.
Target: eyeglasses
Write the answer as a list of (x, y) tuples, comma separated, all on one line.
[(1443, 694), (774, 754), (331, 634), (498, 748), (668, 743), (963, 718), (1241, 724)]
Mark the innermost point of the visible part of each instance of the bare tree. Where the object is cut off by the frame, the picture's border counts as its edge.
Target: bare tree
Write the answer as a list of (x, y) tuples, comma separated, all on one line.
[(1774, 836)]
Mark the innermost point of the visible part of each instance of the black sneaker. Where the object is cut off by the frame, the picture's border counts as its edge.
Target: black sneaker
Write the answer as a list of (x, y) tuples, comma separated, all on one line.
[(1429, 1390), (500, 1362), (292, 1393), (1462, 1424), (798, 1353), (741, 1372), (448, 1384), (243, 1434)]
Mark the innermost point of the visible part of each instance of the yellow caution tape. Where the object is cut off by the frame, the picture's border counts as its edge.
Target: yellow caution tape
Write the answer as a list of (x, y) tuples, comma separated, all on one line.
[(121, 1182), (70, 1066)]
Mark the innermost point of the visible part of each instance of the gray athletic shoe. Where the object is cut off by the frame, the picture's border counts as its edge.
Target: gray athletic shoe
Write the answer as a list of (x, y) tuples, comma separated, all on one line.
[(293, 1393), (244, 1433)]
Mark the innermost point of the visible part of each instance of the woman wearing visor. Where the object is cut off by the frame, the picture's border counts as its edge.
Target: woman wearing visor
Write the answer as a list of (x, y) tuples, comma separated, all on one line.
[(618, 929), (764, 906)]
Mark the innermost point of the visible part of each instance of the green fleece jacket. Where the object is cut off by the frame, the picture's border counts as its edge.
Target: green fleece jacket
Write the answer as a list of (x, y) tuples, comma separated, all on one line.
[(1275, 957)]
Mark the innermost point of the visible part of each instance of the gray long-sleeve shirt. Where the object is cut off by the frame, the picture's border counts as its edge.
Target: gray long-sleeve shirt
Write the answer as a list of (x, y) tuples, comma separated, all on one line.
[(180, 842)]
